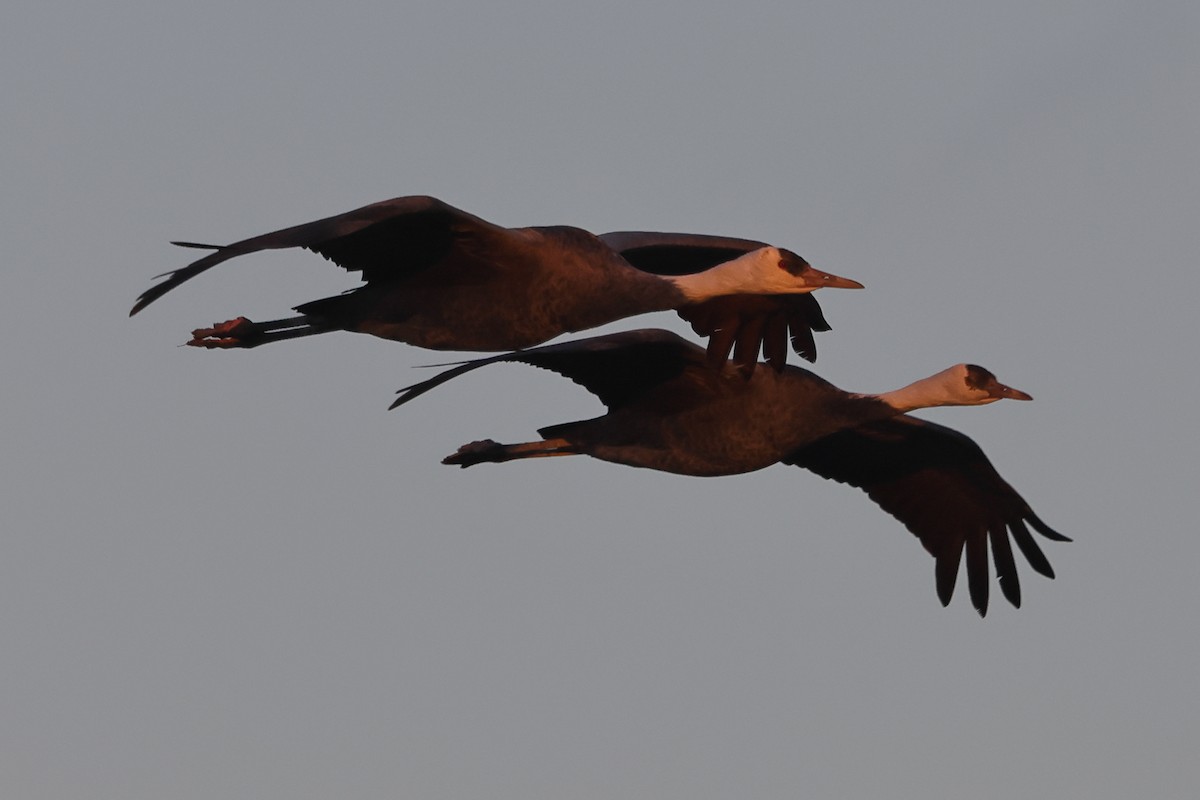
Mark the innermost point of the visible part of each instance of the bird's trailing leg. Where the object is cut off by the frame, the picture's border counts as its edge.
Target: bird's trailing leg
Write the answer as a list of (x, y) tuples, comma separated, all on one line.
[(490, 451), (241, 332)]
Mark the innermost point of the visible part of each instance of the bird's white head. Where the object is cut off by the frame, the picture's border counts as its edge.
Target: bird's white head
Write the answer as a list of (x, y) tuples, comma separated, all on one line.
[(972, 385), (773, 270), (767, 270), (960, 385)]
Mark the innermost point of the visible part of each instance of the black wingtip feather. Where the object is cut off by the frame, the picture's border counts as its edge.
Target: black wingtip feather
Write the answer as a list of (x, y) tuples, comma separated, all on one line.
[(1046, 530), (775, 341), (1029, 548), (720, 345), (458, 368), (946, 572), (1006, 566), (978, 580), (150, 295), (802, 341)]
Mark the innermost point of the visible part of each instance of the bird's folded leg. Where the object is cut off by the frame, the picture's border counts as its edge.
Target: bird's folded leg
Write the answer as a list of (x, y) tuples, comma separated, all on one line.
[(494, 452), (233, 333), (241, 332)]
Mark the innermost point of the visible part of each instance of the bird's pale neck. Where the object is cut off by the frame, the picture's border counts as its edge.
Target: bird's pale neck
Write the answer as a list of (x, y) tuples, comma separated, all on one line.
[(756, 272), (909, 398), (946, 388)]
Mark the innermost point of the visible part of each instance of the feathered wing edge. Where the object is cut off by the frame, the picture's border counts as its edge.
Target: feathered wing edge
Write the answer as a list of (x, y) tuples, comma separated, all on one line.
[(320, 235), (739, 325), (614, 367), (941, 486)]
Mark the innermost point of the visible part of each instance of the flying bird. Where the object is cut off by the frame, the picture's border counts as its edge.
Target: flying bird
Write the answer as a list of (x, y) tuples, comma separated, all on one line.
[(669, 410), (438, 277)]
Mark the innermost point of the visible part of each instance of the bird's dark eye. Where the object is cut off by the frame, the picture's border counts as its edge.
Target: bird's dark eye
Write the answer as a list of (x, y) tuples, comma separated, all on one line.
[(978, 377), (793, 263)]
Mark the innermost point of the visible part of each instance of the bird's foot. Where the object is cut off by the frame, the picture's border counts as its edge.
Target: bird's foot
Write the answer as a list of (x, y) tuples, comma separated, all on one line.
[(476, 453), (239, 332)]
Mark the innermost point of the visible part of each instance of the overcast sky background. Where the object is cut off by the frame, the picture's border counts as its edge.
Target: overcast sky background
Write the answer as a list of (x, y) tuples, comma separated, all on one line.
[(236, 575)]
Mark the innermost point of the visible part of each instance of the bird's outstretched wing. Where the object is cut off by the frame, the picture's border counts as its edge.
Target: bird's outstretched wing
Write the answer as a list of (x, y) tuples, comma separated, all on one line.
[(397, 236), (617, 368), (741, 324), (939, 483)]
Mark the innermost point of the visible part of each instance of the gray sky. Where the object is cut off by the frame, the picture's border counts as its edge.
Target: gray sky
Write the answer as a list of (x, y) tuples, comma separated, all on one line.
[(236, 575)]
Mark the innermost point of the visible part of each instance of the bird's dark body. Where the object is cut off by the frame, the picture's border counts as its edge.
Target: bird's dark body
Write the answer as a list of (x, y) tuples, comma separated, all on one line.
[(438, 277), (669, 410), (709, 422), (569, 281)]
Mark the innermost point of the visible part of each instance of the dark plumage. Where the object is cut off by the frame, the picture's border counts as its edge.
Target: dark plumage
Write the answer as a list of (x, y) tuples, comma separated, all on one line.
[(441, 278), (668, 410)]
